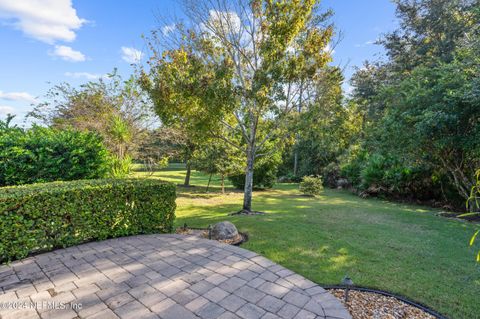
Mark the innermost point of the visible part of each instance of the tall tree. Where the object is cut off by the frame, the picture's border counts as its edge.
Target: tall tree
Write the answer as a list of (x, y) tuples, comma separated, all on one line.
[(217, 157), (421, 104), (234, 68), (117, 109), (430, 31), (326, 126), (160, 145)]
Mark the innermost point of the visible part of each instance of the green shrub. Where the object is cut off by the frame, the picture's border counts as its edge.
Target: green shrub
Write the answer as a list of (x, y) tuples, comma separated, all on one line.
[(331, 174), (311, 185), (351, 164), (264, 176), (120, 167), (373, 171), (41, 217), (43, 154)]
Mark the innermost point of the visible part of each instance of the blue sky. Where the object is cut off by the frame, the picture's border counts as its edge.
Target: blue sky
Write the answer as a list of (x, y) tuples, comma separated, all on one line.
[(50, 41)]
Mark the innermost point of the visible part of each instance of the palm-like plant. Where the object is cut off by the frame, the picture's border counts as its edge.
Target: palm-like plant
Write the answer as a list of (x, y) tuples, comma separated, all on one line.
[(120, 137)]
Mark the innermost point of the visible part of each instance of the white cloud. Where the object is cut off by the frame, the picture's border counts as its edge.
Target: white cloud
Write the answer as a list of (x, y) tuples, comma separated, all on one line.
[(168, 28), (225, 19), (86, 75), (17, 96), (131, 55), (45, 20), (6, 109), (329, 49), (365, 44), (68, 54)]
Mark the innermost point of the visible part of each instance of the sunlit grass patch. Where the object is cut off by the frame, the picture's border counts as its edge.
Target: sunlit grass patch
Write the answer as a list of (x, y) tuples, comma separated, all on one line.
[(405, 249)]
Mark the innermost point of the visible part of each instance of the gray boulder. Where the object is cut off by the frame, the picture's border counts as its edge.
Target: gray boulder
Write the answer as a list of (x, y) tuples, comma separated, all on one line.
[(224, 230)]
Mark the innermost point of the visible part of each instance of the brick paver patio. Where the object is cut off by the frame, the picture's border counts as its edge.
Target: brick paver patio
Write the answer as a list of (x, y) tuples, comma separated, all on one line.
[(159, 276)]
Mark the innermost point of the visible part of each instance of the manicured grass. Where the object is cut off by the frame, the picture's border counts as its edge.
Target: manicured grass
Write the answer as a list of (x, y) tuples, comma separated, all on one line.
[(404, 249)]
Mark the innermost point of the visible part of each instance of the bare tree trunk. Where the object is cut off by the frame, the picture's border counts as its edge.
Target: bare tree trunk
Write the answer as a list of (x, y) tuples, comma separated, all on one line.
[(187, 176), (247, 195), (295, 162), (223, 184), (295, 156), (209, 180)]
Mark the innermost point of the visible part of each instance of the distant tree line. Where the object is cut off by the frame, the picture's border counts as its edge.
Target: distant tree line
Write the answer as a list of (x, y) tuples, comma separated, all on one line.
[(420, 107)]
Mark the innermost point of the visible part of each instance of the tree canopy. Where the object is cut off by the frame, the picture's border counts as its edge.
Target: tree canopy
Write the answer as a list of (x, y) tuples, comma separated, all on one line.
[(233, 70)]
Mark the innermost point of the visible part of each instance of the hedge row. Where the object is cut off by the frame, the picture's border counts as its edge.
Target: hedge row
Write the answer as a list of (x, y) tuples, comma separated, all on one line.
[(41, 217), (42, 154)]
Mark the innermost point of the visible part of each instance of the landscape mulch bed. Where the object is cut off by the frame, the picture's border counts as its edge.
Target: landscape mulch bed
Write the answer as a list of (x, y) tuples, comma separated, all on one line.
[(371, 305), (247, 212), (204, 233)]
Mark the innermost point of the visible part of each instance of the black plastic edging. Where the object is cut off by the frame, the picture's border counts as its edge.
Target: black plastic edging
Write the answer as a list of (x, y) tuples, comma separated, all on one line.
[(389, 294)]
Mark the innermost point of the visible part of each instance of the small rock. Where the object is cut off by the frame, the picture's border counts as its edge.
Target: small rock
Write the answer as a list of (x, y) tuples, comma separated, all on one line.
[(224, 230)]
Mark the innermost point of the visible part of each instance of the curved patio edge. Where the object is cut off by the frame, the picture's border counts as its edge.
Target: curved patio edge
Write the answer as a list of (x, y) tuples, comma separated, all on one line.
[(159, 276)]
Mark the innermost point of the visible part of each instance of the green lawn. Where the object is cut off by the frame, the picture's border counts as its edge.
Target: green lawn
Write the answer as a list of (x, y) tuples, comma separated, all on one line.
[(404, 249)]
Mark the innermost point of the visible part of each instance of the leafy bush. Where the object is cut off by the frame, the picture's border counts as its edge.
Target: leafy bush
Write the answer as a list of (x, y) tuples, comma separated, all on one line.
[(396, 177), (43, 154), (311, 185), (41, 217), (373, 171), (120, 167), (351, 164), (331, 174), (264, 176)]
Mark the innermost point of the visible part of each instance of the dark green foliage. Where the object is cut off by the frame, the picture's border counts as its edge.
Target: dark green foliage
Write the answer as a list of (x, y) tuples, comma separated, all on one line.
[(331, 174), (43, 154), (264, 171), (441, 119), (389, 175), (421, 130), (264, 176), (351, 165), (41, 217), (373, 171)]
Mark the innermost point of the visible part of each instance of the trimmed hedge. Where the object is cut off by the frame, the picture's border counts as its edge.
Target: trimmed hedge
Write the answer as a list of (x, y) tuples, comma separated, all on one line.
[(41, 217), (42, 154)]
